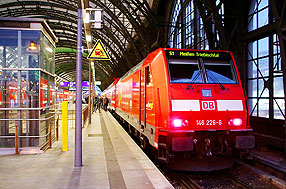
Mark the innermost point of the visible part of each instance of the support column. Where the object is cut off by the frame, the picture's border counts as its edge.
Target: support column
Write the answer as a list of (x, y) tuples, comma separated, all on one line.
[(89, 95), (78, 105), (19, 87)]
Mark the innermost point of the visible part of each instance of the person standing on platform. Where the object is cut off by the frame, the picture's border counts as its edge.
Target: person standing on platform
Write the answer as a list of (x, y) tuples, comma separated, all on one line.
[(105, 102), (100, 102), (95, 104)]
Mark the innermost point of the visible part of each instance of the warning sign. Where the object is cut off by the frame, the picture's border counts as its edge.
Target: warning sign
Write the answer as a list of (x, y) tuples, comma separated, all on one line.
[(98, 52)]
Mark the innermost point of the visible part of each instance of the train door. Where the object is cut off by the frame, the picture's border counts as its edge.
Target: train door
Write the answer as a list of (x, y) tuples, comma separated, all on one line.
[(142, 98)]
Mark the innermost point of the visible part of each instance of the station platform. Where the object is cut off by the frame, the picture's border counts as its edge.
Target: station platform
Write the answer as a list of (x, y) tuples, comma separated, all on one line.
[(111, 159), (272, 162)]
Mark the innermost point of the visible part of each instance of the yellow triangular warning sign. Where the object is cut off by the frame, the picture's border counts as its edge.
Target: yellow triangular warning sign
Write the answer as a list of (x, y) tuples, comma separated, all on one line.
[(98, 52)]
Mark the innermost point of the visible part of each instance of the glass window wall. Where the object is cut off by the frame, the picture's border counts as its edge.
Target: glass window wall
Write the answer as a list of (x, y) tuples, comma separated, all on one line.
[(187, 28), (22, 82), (265, 78), (47, 55), (258, 14)]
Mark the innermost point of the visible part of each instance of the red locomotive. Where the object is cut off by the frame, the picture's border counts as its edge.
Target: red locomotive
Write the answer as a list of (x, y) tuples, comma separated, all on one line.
[(188, 105)]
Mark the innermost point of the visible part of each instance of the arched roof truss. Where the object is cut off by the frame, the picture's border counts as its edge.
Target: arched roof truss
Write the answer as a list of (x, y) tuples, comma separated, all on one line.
[(124, 32)]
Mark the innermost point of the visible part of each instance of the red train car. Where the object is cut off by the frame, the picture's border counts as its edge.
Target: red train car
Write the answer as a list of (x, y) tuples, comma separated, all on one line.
[(188, 105), (43, 92), (110, 93)]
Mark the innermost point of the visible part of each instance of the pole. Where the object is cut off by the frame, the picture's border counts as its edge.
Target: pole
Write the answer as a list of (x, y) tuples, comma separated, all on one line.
[(16, 139), (89, 97), (19, 86), (50, 134), (78, 105)]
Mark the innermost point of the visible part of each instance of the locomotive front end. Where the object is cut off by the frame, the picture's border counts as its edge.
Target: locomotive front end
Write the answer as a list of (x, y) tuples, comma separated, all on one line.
[(208, 120)]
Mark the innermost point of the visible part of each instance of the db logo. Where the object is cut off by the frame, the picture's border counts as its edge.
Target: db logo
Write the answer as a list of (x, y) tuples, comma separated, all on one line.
[(208, 105)]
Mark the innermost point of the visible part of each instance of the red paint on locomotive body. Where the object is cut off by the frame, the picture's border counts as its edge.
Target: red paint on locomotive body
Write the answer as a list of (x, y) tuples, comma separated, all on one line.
[(43, 92), (185, 101)]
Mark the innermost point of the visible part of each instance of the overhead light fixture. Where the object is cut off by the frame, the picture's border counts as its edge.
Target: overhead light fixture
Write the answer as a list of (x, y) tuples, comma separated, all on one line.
[(88, 38), (86, 18), (32, 46), (97, 25), (49, 49)]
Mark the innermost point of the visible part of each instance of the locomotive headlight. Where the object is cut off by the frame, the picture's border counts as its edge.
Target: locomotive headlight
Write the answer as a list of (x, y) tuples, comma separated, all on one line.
[(177, 123), (235, 122), (180, 123)]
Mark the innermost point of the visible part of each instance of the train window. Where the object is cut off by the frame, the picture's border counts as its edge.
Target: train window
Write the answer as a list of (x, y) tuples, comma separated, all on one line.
[(220, 72), (184, 71), (187, 71), (148, 75)]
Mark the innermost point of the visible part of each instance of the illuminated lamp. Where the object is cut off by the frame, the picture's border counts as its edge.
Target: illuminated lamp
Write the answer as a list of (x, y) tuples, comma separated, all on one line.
[(32, 46), (177, 123), (235, 122), (180, 123), (88, 38)]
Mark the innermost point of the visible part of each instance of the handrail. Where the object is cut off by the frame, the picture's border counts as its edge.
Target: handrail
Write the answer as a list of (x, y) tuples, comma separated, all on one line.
[(25, 136), (28, 69), (85, 115), (21, 119), (16, 108), (17, 138), (48, 134)]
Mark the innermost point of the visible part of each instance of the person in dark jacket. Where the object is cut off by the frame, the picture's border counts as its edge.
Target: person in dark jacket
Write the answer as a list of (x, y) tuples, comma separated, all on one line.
[(105, 102), (100, 103), (95, 104)]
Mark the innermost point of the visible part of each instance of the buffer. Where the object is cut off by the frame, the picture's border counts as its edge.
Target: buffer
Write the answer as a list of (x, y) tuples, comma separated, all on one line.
[(98, 52)]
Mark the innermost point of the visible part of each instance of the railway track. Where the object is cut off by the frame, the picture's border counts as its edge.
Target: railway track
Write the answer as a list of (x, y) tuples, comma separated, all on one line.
[(240, 183), (236, 177), (185, 181)]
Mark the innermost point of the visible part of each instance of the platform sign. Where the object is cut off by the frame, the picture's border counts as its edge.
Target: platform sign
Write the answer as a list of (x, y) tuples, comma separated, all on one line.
[(213, 55), (98, 52)]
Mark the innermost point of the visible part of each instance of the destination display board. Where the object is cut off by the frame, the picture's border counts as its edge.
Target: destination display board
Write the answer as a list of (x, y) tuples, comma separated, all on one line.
[(198, 54), (73, 84)]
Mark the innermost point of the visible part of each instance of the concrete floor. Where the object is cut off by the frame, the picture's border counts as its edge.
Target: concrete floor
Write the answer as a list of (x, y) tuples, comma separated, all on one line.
[(110, 160)]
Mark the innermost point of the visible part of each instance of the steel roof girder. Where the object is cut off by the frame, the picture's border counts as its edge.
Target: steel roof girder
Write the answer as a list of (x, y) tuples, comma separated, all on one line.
[(23, 4), (119, 24), (140, 30)]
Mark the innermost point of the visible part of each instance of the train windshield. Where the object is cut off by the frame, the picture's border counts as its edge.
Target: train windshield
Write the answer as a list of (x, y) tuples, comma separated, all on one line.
[(208, 71)]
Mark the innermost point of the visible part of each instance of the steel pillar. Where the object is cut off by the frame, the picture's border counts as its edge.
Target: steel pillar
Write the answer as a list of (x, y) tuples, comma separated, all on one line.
[(89, 96), (78, 105)]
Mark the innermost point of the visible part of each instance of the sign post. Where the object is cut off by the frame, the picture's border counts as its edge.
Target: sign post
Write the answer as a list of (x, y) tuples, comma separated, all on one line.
[(78, 104)]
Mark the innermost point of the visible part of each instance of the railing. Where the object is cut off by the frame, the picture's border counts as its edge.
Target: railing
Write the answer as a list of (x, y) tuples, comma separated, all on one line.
[(16, 136), (71, 114), (50, 129), (85, 115)]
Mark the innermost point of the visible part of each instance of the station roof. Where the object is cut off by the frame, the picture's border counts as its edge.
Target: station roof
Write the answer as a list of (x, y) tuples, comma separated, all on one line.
[(123, 32)]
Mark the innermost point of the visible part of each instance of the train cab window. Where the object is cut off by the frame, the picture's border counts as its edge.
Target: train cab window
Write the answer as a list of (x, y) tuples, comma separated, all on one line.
[(184, 71), (215, 71), (148, 75), (220, 72)]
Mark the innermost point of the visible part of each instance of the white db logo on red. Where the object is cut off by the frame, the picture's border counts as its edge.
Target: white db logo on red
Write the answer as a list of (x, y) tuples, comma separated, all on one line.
[(208, 105)]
